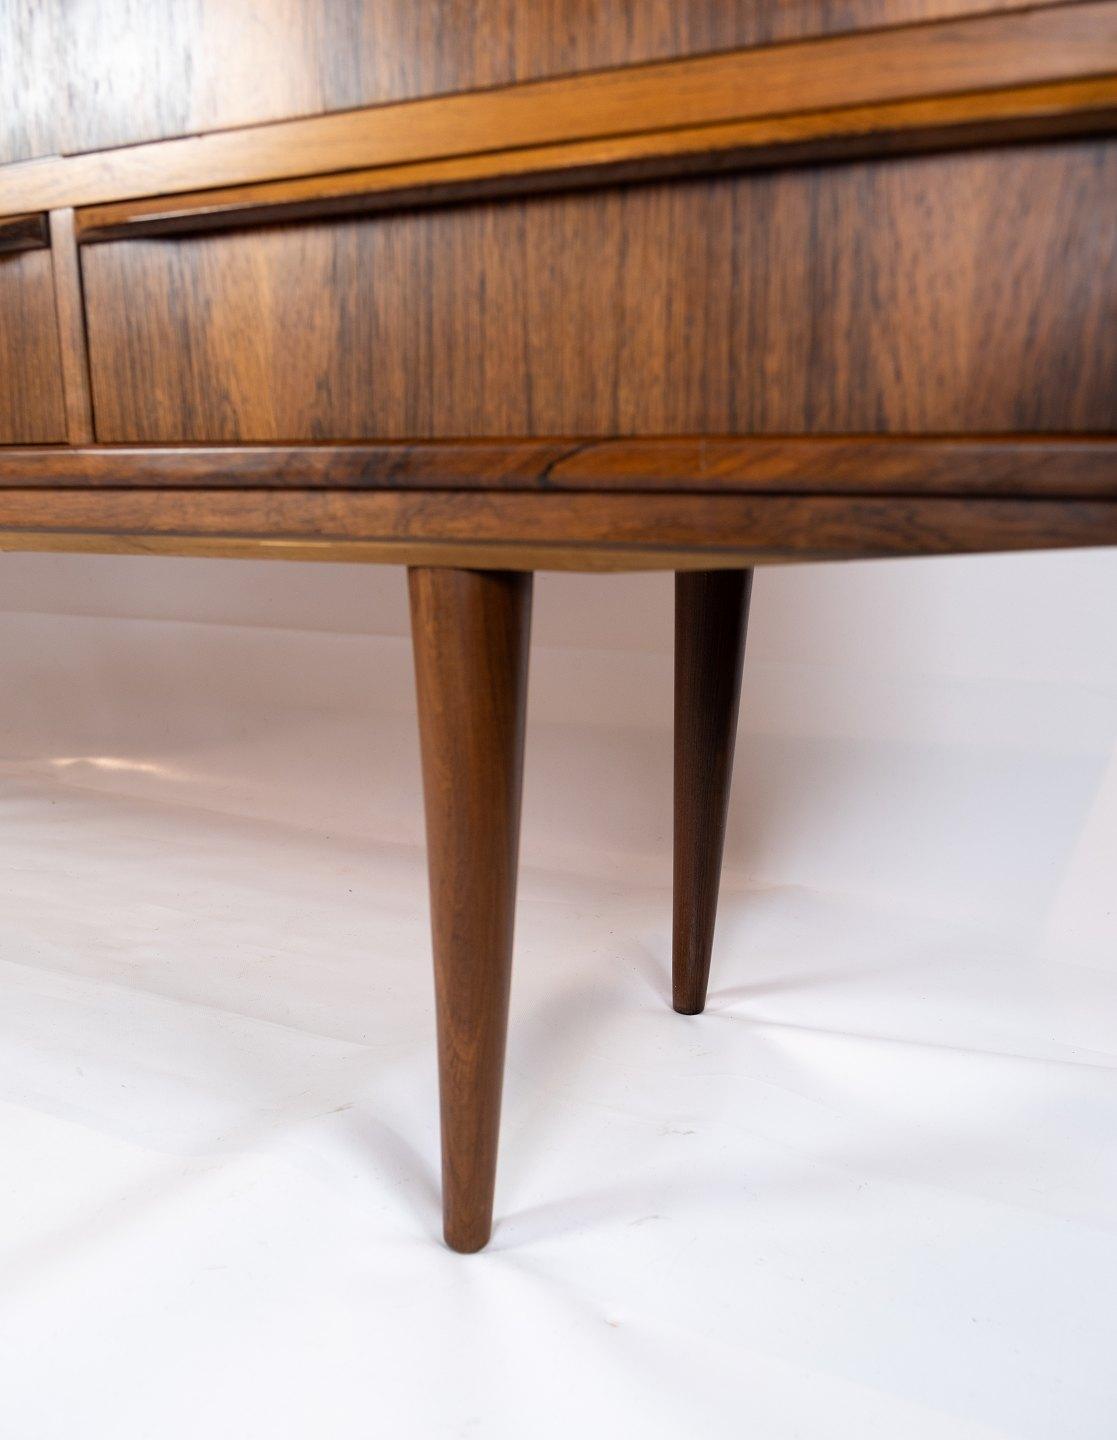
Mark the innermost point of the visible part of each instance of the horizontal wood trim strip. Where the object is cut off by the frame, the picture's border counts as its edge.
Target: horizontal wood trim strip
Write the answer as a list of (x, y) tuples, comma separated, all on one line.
[(1044, 466), (780, 527), (23, 232), (595, 559), (1073, 107), (1045, 45)]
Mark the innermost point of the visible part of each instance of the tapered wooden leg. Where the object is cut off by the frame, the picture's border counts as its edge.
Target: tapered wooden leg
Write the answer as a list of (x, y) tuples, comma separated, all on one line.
[(711, 615), (470, 630)]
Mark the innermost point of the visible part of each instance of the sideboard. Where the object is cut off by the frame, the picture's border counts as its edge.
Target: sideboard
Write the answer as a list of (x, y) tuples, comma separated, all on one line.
[(484, 290)]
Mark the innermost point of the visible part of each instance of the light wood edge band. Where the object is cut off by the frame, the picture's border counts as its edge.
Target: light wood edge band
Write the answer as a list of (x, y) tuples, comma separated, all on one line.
[(585, 559), (1070, 108)]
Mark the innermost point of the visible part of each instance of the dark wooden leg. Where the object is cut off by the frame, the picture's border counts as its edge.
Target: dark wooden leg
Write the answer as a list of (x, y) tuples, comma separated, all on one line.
[(470, 630), (711, 615)]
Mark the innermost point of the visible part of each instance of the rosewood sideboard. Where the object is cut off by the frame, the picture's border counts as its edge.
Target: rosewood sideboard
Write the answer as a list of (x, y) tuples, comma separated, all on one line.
[(495, 288)]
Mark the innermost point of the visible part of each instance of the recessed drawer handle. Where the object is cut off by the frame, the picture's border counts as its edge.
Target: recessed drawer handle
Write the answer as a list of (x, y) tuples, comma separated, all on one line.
[(23, 232)]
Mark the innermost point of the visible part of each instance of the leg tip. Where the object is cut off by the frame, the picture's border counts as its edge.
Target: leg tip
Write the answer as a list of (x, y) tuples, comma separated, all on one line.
[(466, 1239), (688, 992), (683, 1006)]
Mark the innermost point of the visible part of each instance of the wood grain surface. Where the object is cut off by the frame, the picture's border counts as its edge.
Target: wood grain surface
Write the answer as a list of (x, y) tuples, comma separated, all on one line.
[(506, 526), (123, 71), (33, 111), (1064, 42), (980, 297), (1068, 467), (31, 411)]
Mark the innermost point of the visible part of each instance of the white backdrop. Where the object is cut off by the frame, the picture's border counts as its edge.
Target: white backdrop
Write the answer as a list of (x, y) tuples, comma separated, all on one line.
[(886, 1198), (939, 732)]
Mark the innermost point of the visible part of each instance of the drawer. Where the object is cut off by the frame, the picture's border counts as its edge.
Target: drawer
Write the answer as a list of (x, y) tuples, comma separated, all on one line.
[(973, 292), (122, 71), (32, 409)]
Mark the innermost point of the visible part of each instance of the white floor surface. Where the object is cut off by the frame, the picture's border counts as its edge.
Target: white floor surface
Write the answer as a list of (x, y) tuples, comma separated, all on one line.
[(872, 1192)]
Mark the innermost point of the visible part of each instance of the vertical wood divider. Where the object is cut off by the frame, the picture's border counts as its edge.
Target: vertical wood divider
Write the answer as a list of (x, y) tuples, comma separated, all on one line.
[(70, 311)]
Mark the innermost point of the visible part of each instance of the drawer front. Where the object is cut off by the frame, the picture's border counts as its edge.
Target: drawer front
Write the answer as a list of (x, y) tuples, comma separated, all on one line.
[(32, 411), (971, 292), (121, 71)]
